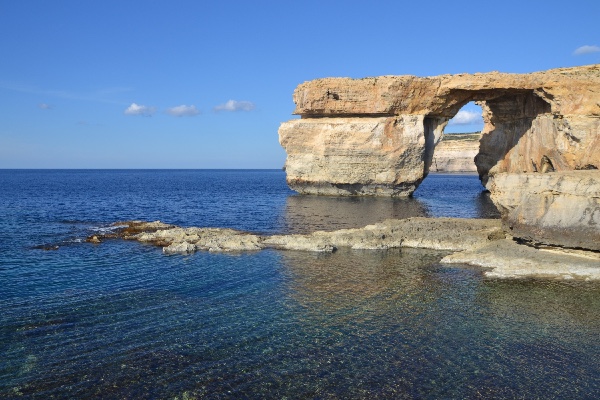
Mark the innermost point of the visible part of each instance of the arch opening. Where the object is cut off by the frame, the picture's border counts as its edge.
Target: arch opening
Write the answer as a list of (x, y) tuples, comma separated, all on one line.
[(451, 183), (459, 143), (510, 120)]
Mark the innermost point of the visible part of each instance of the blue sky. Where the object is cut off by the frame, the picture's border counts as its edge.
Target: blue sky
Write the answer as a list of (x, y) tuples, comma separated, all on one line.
[(205, 84)]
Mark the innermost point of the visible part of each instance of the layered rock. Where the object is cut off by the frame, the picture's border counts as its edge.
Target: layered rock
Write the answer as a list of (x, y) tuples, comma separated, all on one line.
[(477, 242), (456, 153), (508, 259), (357, 156), (452, 234), (554, 113), (561, 208)]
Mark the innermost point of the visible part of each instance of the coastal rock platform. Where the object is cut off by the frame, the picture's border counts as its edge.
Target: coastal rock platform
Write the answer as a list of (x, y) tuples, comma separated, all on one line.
[(479, 242), (509, 259)]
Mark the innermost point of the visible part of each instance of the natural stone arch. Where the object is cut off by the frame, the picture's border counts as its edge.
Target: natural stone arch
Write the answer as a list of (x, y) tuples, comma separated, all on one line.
[(508, 116), (376, 136)]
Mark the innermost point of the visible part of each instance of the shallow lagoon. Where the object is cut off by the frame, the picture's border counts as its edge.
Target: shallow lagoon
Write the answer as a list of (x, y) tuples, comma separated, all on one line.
[(120, 320)]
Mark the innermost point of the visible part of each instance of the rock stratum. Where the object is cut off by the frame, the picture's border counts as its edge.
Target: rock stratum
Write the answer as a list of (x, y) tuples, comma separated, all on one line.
[(456, 153), (378, 136), (479, 242), (561, 209)]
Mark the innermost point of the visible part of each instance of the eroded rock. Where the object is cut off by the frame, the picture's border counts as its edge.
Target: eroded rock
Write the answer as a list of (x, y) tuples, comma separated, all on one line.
[(508, 259), (552, 113), (558, 208), (456, 153), (479, 242), (357, 156)]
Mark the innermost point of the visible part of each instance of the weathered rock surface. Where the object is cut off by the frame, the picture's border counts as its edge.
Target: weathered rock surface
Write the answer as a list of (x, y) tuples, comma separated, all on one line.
[(456, 153), (356, 156), (451, 234), (189, 240), (559, 208), (507, 259), (477, 242), (553, 113)]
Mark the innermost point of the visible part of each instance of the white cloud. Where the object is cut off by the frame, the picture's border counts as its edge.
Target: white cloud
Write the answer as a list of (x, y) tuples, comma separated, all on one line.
[(45, 106), (233, 105), (464, 117), (586, 50), (135, 109), (183, 111)]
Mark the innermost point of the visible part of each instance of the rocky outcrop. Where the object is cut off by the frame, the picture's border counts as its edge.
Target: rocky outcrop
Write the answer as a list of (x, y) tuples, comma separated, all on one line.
[(456, 153), (554, 113), (508, 259), (451, 234), (440, 234), (560, 208), (476, 242)]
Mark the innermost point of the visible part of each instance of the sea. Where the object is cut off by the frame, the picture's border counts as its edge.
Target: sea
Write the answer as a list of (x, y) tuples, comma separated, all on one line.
[(120, 320)]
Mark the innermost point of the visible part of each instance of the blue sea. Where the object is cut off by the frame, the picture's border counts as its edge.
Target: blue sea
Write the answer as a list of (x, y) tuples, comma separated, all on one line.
[(120, 320)]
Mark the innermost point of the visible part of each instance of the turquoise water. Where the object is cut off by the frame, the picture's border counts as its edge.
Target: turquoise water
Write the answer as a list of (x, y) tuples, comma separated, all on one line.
[(121, 320)]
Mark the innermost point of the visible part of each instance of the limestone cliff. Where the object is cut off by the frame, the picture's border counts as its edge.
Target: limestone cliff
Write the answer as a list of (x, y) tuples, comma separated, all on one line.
[(357, 156), (377, 136), (456, 153), (553, 113), (560, 209)]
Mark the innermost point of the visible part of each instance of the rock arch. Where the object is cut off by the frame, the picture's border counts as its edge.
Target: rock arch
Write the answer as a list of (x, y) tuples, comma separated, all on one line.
[(377, 135)]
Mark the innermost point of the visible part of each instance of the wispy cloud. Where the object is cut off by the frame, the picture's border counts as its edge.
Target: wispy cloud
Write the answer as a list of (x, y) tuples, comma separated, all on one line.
[(587, 49), (136, 109), (100, 95), (45, 106), (464, 117), (183, 111), (234, 105)]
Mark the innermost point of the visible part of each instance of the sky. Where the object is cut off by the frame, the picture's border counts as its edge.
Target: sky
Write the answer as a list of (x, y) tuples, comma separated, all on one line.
[(206, 84)]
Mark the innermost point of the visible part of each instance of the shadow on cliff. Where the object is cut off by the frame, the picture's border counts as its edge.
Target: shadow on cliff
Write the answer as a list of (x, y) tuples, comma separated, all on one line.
[(508, 115)]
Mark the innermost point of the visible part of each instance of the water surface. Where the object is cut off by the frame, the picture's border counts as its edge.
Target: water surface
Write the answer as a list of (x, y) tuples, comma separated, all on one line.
[(121, 320)]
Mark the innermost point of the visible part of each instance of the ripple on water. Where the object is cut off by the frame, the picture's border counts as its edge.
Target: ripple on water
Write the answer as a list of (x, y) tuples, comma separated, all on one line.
[(120, 320)]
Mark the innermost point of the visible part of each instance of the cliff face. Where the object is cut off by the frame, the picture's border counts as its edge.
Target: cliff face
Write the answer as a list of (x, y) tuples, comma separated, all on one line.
[(377, 136), (560, 209), (356, 156), (554, 113), (456, 153)]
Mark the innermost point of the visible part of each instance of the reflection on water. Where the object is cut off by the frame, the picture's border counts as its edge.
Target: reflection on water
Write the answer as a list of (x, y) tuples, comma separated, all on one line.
[(304, 214), (121, 320), (456, 195), (349, 278), (440, 195)]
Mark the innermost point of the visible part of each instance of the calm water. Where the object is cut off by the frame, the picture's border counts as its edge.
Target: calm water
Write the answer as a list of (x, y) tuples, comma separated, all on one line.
[(120, 320)]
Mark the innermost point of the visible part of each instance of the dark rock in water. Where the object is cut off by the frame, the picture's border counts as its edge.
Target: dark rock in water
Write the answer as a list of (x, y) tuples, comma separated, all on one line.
[(46, 247)]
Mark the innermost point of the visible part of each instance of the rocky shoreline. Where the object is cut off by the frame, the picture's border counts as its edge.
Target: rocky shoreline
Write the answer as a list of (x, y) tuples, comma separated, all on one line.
[(477, 242)]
